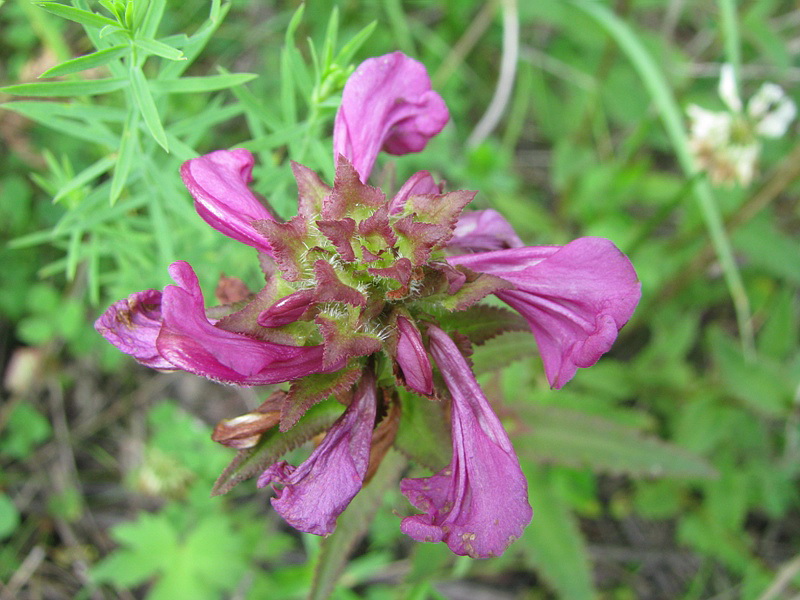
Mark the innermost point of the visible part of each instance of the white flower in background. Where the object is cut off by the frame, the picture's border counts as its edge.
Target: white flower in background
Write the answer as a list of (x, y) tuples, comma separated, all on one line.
[(726, 144)]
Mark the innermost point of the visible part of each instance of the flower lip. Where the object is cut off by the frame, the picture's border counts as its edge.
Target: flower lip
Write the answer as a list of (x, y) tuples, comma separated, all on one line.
[(478, 504)]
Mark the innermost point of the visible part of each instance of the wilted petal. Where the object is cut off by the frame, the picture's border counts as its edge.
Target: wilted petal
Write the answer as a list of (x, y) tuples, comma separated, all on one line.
[(575, 298), (482, 231), (412, 357), (317, 491), (132, 325), (218, 184), (386, 104), (189, 341), (478, 504)]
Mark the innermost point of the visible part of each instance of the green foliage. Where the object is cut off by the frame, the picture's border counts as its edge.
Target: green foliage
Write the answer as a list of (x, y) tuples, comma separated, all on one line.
[(691, 422)]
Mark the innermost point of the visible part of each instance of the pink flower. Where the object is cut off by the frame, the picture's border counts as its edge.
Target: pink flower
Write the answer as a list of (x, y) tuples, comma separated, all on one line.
[(218, 182), (354, 283), (387, 104), (575, 298), (478, 504), (182, 337), (315, 493)]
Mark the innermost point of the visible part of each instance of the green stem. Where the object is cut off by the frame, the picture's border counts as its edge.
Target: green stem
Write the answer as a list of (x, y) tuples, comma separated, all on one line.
[(672, 119)]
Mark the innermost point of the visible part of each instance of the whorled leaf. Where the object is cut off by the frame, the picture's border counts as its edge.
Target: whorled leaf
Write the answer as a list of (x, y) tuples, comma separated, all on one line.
[(481, 323), (274, 444), (308, 391)]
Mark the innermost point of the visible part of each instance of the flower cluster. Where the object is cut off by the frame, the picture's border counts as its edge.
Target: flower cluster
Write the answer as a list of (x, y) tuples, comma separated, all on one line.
[(359, 293), (727, 144)]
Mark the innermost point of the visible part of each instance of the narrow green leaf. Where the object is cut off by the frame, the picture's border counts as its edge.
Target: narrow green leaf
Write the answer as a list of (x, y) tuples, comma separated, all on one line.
[(192, 85), (351, 47), (274, 444), (90, 173), (554, 541), (159, 49), (147, 107), (94, 132), (127, 152), (573, 438), (65, 88), (352, 525), (152, 18), (84, 17), (88, 61), (87, 112)]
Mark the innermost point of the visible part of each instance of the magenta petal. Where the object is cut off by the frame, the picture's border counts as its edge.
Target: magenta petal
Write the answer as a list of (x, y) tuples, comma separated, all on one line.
[(132, 325), (189, 341), (575, 298), (287, 310), (218, 184), (317, 491), (419, 184), (478, 504), (388, 104), (482, 231), (412, 357)]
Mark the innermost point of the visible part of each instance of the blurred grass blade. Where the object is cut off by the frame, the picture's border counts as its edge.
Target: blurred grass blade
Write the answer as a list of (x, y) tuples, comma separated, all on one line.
[(90, 173), (88, 61), (288, 82), (195, 85), (159, 49), (351, 47), (127, 152), (147, 107), (78, 15), (352, 525), (555, 543), (730, 35), (672, 118), (575, 439), (51, 89), (152, 18)]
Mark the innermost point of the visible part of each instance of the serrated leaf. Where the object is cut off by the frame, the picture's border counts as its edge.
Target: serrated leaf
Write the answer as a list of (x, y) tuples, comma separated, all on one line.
[(159, 49), (87, 61), (147, 107), (52, 89), (424, 432), (311, 389), (759, 384), (569, 437), (497, 353), (554, 541), (195, 85), (147, 545), (352, 525), (481, 323), (275, 444), (78, 15)]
